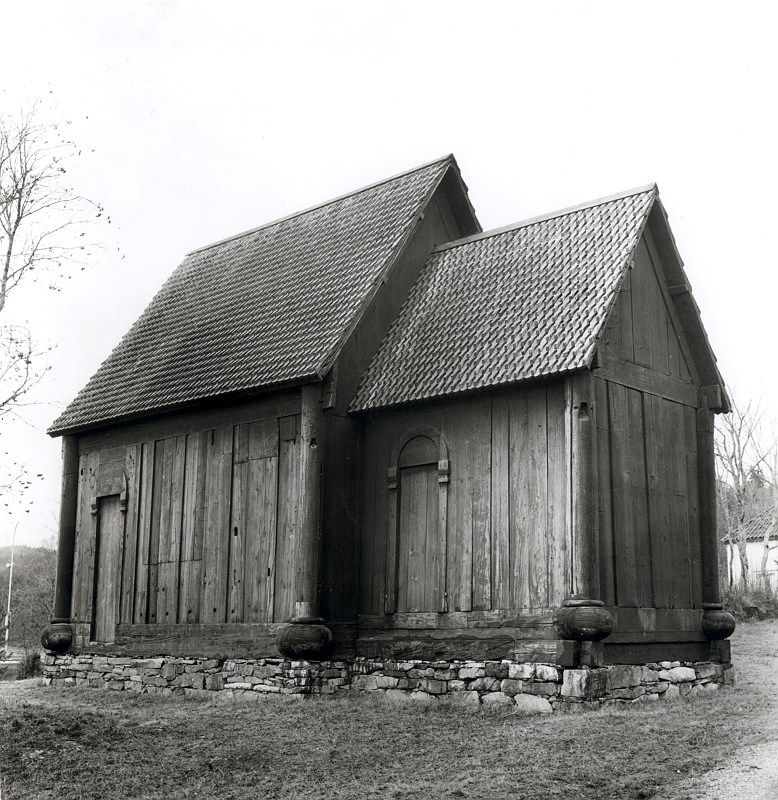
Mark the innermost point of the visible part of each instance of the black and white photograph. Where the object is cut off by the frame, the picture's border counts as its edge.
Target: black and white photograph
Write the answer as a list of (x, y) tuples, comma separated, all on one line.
[(388, 400)]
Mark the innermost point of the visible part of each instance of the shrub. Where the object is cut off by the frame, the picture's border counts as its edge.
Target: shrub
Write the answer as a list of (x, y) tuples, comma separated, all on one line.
[(751, 603), (30, 666)]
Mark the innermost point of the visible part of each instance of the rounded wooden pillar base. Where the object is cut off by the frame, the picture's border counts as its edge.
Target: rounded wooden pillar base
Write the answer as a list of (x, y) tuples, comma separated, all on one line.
[(583, 619), (716, 623), (305, 638), (57, 637)]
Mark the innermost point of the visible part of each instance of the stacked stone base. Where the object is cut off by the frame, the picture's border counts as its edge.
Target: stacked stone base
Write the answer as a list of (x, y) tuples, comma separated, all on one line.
[(538, 688)]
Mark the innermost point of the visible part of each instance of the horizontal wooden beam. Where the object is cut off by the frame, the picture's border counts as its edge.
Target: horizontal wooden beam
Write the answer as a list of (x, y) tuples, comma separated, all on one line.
[(458, 620), (428, 647), (235, 640), (190, 422), (655, 625), (648, 652), (633, 376)]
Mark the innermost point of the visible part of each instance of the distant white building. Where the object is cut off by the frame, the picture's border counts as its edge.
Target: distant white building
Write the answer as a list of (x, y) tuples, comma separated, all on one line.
[(755, 531)]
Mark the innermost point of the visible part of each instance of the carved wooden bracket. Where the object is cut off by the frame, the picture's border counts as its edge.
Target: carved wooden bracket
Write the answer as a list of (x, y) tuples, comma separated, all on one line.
[(112, 480)]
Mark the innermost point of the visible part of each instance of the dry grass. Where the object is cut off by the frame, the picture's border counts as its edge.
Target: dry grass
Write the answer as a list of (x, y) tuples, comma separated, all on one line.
[(100, 744)]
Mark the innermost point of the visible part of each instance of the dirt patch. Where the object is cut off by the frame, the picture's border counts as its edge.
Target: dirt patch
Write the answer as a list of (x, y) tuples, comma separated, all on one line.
[(85, 743), (751, 771)]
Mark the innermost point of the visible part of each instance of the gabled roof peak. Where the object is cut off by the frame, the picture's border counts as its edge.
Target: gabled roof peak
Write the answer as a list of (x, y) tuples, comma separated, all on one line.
[(516, 304), (262, 310), (450, 158), (649, 187)]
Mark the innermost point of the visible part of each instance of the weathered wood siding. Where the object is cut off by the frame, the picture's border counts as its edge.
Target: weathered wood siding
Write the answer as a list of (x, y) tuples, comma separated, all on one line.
[(507, 537), (440, 224), (445, 218), (187, 522), (646, 400)]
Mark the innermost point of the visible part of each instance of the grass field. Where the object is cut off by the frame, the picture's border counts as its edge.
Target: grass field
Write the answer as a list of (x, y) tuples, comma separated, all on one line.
[(86, 743)]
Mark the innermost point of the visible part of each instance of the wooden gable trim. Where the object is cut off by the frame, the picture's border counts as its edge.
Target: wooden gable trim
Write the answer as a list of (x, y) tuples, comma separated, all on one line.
[(370, 296), (667, 296), (683, 303)]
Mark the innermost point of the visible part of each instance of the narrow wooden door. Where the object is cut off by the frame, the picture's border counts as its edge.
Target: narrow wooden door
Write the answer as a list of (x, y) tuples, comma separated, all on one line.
[(108, 542), (417, 579)]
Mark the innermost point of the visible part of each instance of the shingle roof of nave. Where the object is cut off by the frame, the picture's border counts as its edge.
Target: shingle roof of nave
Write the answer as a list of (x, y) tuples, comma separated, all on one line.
[(263, 308), (508, 305)]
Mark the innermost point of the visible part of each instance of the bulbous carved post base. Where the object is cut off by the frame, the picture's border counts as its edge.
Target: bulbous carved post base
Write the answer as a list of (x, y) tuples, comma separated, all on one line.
[(305, 638), (57, 637), (582, 623), (583, 619), (716, 623)]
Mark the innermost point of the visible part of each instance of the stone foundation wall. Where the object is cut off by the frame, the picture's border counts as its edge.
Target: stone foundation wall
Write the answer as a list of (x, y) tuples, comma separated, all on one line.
[(530, 687)]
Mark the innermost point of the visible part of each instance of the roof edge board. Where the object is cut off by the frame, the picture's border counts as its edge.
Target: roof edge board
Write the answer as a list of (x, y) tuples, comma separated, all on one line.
[(551, 215), (197, 404), (685, 305), (417, 218), (592, 352), (323, 204), (549, 377), (466, 206)]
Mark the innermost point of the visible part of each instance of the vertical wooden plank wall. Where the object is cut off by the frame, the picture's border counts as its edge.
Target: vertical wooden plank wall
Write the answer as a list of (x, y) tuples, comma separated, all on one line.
[(202, 515), (192, 527), (648, 518), (84, 555), (288, 515), (508, 539)]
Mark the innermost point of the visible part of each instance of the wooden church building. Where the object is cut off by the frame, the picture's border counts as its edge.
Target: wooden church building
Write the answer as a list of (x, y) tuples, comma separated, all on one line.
[(428, 436)]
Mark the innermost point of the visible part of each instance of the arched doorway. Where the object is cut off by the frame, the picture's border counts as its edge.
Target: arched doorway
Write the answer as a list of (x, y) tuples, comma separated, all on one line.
[(418, 486)]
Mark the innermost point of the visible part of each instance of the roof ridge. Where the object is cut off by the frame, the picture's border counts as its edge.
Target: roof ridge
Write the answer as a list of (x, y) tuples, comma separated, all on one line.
[(551, 215), (449, 157)]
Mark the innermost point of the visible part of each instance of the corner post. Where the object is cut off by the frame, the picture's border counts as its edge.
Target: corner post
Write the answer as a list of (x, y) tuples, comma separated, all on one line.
[(582, 621), (67, 529), (583, 469), (58, 636), (307, 637), (717, 624), (306, 556), (706, 470)]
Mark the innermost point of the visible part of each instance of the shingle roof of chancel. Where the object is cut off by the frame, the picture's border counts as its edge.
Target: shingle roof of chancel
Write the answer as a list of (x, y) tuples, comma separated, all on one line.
[(264, 308), (508, 305)]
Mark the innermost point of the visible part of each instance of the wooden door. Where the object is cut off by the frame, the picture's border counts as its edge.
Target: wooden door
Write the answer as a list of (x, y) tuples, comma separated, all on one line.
[(419, 541), (108, 541)]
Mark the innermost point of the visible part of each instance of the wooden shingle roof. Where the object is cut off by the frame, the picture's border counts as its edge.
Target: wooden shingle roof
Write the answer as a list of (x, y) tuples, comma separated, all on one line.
[(265, 308), (757, 526), (509, 305)]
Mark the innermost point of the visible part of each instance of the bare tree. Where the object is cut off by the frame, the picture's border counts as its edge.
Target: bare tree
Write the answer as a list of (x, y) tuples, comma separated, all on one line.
[(742, 455), (32, 592), (771, 515), (42, 238)]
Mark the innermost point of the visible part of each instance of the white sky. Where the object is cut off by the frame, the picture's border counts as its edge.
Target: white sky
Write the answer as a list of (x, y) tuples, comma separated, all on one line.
[(208, 119)]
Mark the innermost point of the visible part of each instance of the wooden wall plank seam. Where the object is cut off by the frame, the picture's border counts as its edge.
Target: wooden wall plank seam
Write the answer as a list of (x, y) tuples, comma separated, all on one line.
[(500, 504), (133, 466), (481, 506), (519, 499), (604, 494)]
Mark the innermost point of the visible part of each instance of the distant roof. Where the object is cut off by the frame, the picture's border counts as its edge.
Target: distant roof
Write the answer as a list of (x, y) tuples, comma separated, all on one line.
[(756, 526), (509, 305), (267, 307)]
